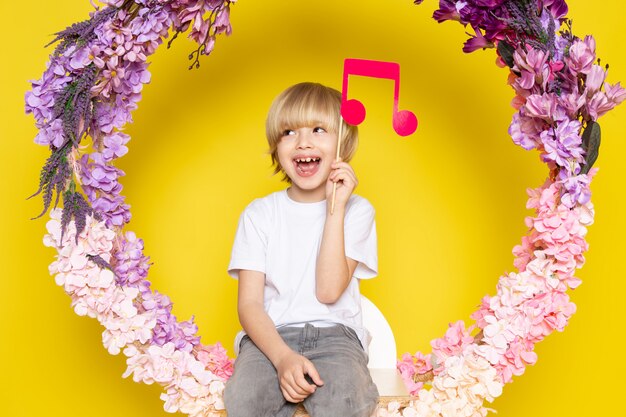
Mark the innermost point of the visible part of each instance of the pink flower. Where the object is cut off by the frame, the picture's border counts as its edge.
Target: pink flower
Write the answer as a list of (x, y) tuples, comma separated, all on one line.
[(571, 103), (523, 253), (598, 105), (222, 21), (514, 361), (594, 80), (162, 364), (615, 93), (466, 382), (484, 311), (409, 366), (215, 359), (544, 106), (498, 333), (546, 313), (453, 343), (582, 55), (533, 67), (514, 289)]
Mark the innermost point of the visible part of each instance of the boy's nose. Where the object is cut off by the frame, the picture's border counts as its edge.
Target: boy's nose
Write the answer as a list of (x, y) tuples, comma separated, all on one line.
[(304, 140)]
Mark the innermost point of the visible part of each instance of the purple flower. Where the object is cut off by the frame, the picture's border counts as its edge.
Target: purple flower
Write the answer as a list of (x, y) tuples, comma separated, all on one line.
[(561, 45), (100, 174), (51, 134), (562, 144), (168, 329), (447, 11), (182, 334), (136, 75), (40, 100), (131, 266), (576, 188), (476, 42), (113, 210), (558, 8), (115, 114), (115, 146), (81, 58), (525, 131), (486, 17)]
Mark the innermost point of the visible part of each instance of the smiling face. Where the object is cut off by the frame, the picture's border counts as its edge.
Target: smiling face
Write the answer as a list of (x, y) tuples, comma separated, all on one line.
[(305, 155), (299, 122)]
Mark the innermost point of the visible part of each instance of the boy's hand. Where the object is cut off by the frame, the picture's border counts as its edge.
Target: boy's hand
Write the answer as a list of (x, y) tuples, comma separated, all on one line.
[(342, 174), (291, 376)]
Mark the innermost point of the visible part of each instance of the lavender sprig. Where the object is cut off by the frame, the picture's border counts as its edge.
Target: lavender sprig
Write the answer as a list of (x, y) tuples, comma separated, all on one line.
[(74, 106), (55, 174), (81, 33), (525, 21), (74, 205), (97, 259)]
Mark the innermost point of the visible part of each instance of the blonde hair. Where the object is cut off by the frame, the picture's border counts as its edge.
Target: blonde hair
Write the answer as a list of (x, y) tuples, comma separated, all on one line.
[(307, 104)]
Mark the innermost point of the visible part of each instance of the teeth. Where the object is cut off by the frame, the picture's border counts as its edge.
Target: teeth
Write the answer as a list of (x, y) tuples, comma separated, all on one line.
[(307, 159)]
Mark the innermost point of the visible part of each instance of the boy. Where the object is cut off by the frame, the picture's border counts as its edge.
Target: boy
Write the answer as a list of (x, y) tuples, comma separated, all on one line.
[(298, 268)]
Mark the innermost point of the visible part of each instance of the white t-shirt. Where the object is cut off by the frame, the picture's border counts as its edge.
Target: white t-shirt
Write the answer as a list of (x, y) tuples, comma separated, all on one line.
[(281, 238)]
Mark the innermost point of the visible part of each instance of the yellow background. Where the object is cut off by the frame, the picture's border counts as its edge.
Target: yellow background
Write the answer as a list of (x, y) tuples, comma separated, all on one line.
[(450, 199)]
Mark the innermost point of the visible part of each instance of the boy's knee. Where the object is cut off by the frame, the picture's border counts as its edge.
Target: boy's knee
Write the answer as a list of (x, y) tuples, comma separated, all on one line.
[(242, 402), (343, 402), (245, 398), (344, 408)]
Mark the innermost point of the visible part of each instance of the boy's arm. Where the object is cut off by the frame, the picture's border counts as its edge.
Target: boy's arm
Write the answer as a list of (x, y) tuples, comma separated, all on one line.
[(290, 366), (334, 269)]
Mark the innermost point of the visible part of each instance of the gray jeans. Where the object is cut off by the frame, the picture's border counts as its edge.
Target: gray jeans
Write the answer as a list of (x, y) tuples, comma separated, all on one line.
[(348, 391)]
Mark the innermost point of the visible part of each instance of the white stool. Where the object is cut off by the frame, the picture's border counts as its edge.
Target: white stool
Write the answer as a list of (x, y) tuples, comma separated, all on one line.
[(382, 352)]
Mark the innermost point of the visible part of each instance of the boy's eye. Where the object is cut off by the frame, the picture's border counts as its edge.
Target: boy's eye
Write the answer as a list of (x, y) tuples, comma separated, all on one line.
[(319, 130), (288, 132)]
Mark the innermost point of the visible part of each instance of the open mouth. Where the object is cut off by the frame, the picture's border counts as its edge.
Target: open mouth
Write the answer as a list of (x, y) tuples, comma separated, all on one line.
[(305, 167)]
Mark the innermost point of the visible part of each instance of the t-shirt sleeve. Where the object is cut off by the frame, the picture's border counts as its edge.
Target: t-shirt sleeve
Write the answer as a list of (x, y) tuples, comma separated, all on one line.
[(360, 238), (250, 244)]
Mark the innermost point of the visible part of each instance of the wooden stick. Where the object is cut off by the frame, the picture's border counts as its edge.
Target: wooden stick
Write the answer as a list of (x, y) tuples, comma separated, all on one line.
[(332, 204)]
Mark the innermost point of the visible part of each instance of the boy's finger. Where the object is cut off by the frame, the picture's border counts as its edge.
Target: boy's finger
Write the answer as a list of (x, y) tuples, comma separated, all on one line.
[(286, 395), (291, 393), (300, 384), (304, 385), (312, 373)]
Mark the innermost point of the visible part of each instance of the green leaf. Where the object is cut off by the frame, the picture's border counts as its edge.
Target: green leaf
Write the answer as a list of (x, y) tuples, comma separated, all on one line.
[(506, 51), (591, 145)]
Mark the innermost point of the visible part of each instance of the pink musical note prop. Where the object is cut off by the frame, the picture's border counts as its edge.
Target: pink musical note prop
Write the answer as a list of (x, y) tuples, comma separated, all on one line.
[(353, 112)]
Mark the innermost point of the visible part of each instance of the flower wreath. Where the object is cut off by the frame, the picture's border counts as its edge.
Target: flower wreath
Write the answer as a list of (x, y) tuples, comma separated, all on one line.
[(92, 84)]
